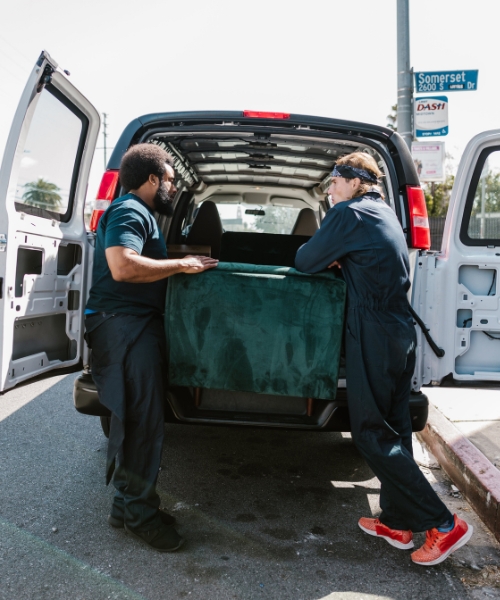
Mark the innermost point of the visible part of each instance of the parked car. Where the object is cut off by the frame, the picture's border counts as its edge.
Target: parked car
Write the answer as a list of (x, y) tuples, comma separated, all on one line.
[(251, 189)]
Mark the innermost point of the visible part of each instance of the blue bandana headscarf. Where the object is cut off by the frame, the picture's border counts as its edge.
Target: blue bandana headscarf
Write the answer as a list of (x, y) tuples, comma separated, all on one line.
[(349, 172)]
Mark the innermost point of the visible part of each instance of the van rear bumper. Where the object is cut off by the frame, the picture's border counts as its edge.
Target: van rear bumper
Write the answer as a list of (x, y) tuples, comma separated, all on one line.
[(86, 398), (180, 409)]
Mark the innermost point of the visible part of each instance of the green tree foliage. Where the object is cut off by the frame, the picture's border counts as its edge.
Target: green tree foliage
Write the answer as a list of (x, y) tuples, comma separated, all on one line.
[(43, 194), (437, 196), (489, 186), (393, 118)]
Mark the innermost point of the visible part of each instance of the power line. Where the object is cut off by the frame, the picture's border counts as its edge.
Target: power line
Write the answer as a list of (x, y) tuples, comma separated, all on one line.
[(105, 136), (30, 60), (13, 73), (12, 57)]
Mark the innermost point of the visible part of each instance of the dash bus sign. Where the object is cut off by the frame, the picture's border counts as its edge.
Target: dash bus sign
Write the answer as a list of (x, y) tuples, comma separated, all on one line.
[(446, 81), (431, 116)]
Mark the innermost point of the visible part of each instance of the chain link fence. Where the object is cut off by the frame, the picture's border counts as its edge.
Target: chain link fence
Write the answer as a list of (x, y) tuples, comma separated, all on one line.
[(436, 225), (491, 229)]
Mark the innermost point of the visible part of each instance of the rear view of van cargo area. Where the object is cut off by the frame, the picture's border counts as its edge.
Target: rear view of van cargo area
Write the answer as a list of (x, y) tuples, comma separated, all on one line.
[(256, 342)]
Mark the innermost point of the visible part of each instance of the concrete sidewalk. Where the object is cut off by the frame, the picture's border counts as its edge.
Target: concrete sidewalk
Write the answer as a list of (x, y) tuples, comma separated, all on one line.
[(463, 433)]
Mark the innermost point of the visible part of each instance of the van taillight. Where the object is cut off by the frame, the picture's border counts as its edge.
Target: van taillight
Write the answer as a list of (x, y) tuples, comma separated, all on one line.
[(419, 221), (105, 196), (256, 114)]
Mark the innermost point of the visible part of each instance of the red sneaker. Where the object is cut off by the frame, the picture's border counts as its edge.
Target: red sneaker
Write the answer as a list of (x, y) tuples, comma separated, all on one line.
[(438, 546), (399, 538)]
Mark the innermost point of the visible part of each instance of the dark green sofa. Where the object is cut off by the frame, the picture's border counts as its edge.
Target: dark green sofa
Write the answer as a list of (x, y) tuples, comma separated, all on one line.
[(253, 328)]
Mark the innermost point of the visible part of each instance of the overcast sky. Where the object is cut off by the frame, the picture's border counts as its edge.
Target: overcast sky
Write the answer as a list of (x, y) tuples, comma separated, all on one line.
[(329, 58)]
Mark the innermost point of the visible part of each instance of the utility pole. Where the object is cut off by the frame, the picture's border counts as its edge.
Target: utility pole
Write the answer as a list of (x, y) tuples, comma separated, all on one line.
[(405, 83), (105, 136)]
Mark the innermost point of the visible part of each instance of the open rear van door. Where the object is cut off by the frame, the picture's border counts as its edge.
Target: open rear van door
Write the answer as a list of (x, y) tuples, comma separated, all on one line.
[(43, 242), (457, 291)]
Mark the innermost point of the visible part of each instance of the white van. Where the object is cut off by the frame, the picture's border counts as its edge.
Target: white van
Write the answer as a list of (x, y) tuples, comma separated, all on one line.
[(267, 174)]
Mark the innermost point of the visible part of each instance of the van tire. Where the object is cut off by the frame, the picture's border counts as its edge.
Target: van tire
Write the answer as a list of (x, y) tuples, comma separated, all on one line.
[(105, 424)]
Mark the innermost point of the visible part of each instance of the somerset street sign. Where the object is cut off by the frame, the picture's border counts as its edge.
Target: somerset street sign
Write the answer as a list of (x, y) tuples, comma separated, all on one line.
[(431, 116), (445, 81)]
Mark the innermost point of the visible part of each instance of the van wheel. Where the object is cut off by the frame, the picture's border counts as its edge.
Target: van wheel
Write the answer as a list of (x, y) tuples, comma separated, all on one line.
[(105, 424)]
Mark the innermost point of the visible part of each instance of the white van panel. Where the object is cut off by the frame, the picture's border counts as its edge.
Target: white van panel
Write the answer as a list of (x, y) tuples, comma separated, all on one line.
[(456, 291), (43, 263)]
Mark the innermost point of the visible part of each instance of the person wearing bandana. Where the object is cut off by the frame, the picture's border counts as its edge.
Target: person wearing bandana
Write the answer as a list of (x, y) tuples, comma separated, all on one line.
[(124, 329), (362, 236)]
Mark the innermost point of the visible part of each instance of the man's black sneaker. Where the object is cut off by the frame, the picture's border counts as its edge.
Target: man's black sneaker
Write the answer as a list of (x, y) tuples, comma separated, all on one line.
[(163, 539), (116, 520)]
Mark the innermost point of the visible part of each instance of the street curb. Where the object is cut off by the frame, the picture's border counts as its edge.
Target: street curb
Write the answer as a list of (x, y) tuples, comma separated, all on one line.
[(473, 474)]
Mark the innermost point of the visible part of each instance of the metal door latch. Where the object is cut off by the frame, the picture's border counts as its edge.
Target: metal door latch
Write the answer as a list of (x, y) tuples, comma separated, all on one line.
[(3, 242)]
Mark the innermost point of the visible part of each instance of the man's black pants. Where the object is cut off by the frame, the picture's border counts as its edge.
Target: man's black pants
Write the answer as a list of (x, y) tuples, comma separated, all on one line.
[(380, 360), (129, 369)]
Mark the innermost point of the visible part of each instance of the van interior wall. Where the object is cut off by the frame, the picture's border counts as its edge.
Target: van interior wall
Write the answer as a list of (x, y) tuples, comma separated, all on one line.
[(47, 334), (478, 335), (29, 262), (35, 335)]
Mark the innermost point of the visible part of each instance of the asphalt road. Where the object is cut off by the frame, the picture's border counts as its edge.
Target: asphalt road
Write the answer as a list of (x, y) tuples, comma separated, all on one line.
[(266, 514)]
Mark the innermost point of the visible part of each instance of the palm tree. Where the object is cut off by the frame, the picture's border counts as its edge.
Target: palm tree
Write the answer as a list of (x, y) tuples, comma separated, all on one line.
[(43, 194)]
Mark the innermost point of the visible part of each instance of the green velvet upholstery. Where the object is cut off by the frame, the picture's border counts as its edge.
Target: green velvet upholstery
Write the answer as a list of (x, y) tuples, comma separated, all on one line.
[(254, 328)]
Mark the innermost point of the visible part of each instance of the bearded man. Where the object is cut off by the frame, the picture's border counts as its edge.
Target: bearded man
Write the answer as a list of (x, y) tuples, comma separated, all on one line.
[(124, 329)]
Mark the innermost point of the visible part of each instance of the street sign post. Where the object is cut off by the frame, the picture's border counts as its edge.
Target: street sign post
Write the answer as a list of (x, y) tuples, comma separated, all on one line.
[(431, 116), (445, 81)]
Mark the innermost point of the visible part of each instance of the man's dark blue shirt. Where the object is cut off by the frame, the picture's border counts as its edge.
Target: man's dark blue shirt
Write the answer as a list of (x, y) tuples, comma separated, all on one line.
[(130, 223)]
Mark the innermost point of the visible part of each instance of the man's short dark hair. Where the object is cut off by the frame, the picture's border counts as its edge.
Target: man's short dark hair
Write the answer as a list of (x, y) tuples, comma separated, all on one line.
[(141, 161)]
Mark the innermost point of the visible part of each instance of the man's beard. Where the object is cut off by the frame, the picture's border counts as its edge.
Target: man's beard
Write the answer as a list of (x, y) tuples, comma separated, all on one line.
[(163, 202)]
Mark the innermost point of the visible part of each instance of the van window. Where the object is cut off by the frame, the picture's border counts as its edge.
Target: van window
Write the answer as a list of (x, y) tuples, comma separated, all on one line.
[(481, 224), (50, 157), (259, 219)]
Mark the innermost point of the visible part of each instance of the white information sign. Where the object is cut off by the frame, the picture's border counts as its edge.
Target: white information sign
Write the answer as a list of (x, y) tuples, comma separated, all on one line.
[(429, 160), (431, 116)]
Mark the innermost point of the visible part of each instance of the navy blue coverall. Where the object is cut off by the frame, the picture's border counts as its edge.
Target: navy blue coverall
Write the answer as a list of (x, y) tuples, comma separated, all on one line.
[(365, 236)]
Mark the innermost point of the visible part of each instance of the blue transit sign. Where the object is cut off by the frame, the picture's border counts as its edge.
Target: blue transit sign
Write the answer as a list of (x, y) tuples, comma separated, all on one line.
[(430, 116), (446, 81)]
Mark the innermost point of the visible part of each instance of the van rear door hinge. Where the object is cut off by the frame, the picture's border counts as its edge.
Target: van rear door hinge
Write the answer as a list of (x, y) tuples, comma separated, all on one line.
[(3, 242), (46, 78)]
